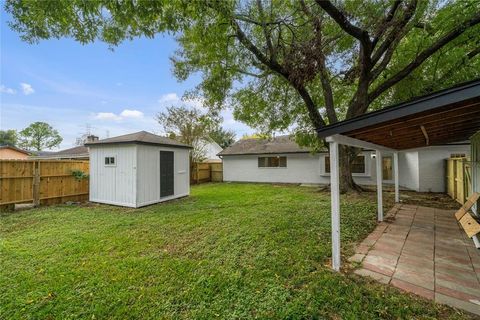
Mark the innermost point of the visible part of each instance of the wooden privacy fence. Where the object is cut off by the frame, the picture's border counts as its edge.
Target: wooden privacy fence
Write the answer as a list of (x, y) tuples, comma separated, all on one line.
[(206, 172), (459, 179), (42, 181)]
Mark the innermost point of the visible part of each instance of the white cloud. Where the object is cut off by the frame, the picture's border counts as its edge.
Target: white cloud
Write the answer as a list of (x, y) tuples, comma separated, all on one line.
[(173, 99), (125, 114), (131, 114), (169, 98), (7, 90), (27, 88), (107, 116), (70, 122)]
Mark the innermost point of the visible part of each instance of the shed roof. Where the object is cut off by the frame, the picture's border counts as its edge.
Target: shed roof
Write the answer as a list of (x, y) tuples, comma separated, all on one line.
[(445, 116), (141, 137), (280, 144)]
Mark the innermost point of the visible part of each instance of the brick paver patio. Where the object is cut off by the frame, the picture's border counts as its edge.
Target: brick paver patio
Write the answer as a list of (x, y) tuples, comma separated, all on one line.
[(424, 251)]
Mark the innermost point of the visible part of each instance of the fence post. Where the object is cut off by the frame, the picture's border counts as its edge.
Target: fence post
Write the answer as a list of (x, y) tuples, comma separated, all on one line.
[(36, 183)]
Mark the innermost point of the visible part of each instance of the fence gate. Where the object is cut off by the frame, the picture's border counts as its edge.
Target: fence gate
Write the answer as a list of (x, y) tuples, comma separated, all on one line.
[(459, 179), (206, 172)]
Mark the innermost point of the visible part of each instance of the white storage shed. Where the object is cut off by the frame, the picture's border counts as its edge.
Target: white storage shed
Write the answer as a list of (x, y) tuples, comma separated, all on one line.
[(138, 169)]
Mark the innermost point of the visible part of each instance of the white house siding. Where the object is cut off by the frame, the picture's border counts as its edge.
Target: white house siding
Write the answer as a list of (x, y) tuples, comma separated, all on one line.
[(301, 168), (408, 170), (148, 174), (431, 162), (113, 184), (420, 169), (211, 150)]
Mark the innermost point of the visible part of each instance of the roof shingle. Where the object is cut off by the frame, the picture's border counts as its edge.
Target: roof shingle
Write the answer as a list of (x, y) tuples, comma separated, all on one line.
[(280, 144), (141, 137)]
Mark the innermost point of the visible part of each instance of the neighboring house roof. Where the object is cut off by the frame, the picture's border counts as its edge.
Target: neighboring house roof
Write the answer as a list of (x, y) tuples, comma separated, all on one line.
[(212, 149), (142, 137), (75, 152), (79, 150), (15, 148), (280, 144), (42, 153)]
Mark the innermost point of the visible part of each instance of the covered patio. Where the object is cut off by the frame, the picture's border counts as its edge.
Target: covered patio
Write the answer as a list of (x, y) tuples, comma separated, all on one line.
[(417, 235)]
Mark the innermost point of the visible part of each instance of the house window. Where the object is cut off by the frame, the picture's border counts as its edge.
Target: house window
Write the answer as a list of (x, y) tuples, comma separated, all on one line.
[(109, 161), (358, 165), (272, 162)]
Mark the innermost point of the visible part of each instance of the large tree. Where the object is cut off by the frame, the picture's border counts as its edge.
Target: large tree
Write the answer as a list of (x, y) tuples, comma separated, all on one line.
[(8, 138), (39, 136), (298, 64)]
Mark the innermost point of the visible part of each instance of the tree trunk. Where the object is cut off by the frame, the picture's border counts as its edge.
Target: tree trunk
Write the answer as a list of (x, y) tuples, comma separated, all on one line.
[(346, 156)]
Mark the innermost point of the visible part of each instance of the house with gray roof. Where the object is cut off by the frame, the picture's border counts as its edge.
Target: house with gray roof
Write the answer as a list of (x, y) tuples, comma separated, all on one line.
[(282, 160), (75, 153)]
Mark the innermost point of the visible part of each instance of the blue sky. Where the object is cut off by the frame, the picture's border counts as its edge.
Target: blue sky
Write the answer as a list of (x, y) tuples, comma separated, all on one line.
[(70, 85)]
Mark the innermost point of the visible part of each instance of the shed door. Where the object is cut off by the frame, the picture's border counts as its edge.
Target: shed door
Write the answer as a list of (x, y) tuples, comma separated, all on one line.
[(166, 173)]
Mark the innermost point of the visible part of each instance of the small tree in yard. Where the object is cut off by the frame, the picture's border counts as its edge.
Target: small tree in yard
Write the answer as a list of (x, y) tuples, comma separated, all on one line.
[(189, 126), (287, 64), (39, 136), (8, 138)]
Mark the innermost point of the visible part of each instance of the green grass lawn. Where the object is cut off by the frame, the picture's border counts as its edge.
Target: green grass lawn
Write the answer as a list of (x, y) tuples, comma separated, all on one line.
[(227, 251)]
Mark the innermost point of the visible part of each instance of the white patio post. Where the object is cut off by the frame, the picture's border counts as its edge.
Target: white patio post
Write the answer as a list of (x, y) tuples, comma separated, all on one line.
[(335, 195), (396, 173), (379, 185)]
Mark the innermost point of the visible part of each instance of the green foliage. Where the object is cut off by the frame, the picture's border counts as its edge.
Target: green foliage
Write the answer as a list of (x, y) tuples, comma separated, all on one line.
[(39, 136), (229, 251), (283, 65), (8, 138), (256, 136), (222, 136), (79, 175), (190, 126)]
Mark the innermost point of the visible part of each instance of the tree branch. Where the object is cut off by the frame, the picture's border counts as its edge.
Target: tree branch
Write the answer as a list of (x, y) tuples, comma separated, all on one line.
[(395, 32), (312, 109), (383, 26), (342, 21), (271, 63), (266, 34), (424, 55)]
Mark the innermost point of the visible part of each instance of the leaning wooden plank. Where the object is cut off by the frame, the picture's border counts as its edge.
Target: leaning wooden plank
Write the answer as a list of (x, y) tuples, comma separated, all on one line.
[(470, 225), (460, 213), (467, 205)]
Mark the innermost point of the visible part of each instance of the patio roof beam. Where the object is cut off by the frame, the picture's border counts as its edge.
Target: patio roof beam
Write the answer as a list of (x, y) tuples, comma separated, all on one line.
[(425, 134), (454, 116), (335, 199), (348, 141), (379, 162), (396, 177), (457, 114)]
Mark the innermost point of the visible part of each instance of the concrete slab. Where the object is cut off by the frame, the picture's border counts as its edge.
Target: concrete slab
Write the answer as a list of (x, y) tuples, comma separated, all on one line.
[(424, 251)]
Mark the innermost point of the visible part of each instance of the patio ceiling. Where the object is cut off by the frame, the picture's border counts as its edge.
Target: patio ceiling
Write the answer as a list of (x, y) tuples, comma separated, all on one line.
[(447, 116)]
